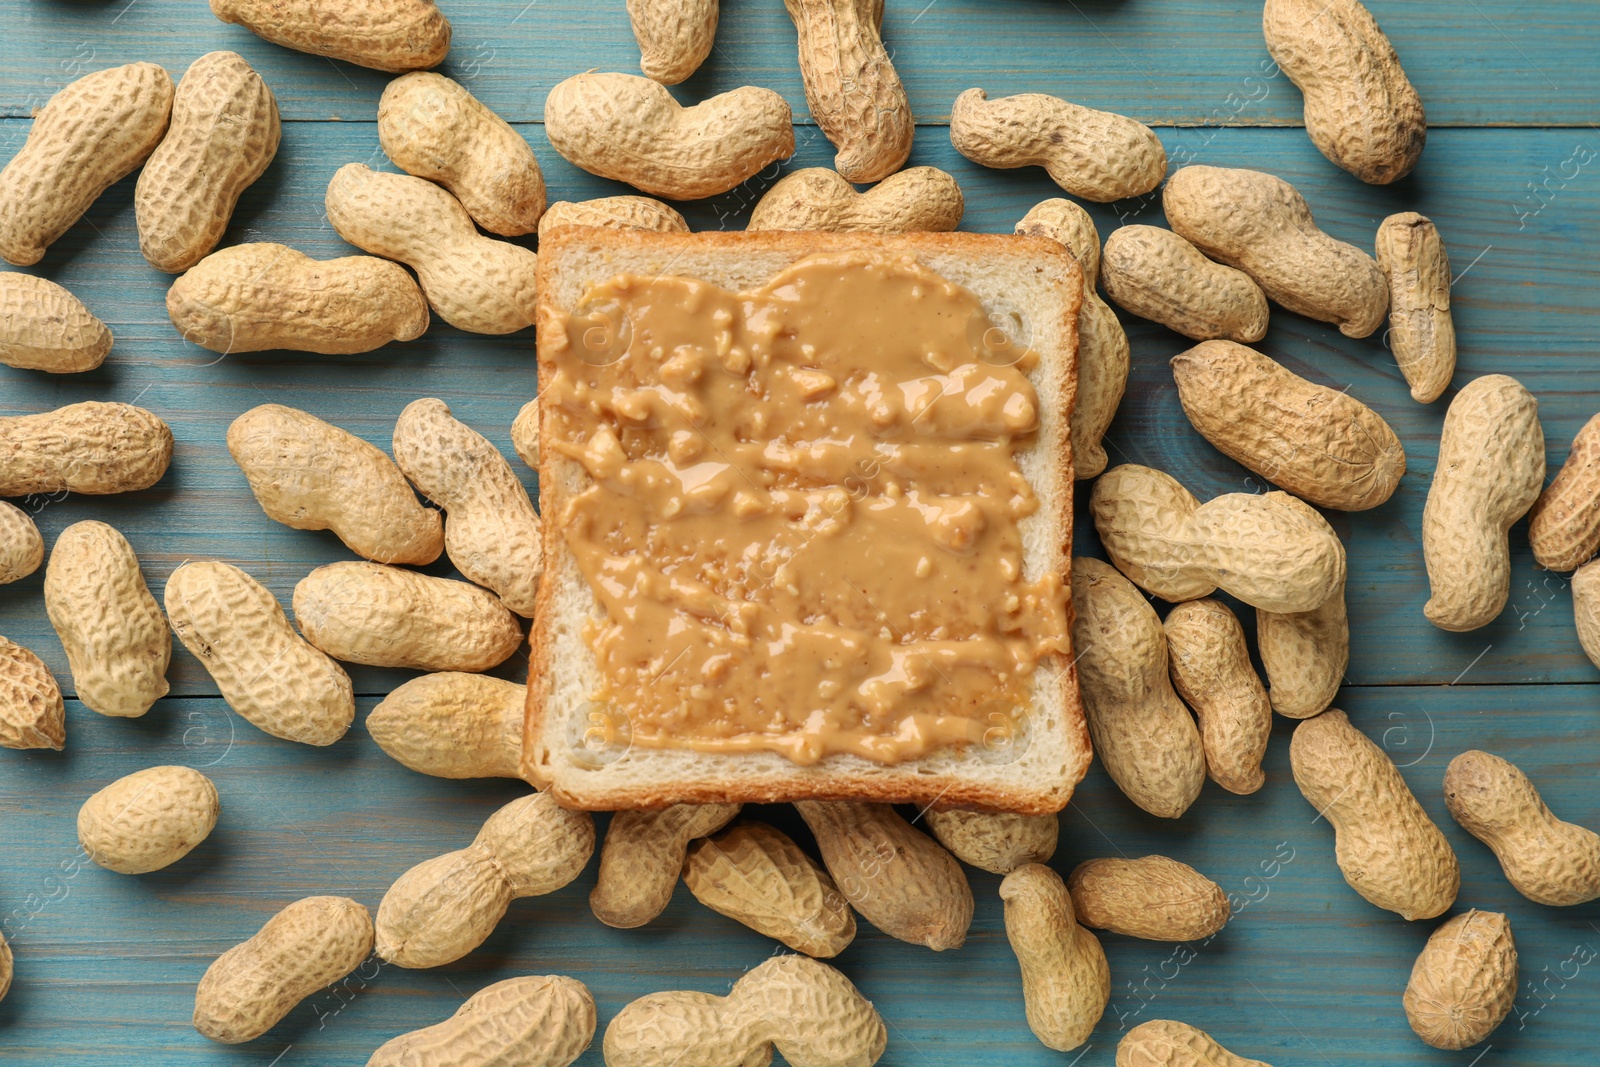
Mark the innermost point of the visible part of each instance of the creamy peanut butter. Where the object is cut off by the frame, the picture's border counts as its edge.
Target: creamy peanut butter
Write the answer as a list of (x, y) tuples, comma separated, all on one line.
[(803, 523)]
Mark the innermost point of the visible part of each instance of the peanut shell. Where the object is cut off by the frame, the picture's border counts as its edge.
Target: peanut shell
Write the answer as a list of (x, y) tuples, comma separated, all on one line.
[(93, 448), (1153, 897), (453, 725), (1464, 981), (32, 713), (757, 876), (148, 820), (44, 327)]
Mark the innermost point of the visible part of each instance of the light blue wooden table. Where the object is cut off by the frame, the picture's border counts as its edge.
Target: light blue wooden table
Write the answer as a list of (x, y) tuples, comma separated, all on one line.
[(1306, 974)]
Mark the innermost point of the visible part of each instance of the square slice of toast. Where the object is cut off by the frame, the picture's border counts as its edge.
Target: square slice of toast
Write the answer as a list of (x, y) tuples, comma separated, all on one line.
[(574, 751)]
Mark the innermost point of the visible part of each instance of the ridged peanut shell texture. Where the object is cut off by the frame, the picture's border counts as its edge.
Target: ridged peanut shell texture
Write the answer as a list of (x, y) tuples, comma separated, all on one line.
[(391, 35), (265, 671), (816, 198), (21, 544), (387, 617), (1489, 473), (532, 1021), (93, 448), (1564, 526), (615, 213), (642, 857), (1389, 850), (1422, 335), (1153, 897), (225, 131), (525, 433), (1102, 342), (44, 327), (1095, 155), (1586, 609), (1258, 223), (1360, 108), (32, 713), (1167, 1043), (1065, 981), (1305, 654), (1464, 981), (995, 841), (258, 297), (756, 875), (491, 532), (674, 36), (631, 129), (1144, 736), (148, 820), (115, 636), (851, 86), (1157, 275), (1211, 670), (1546, 860), (312, 943), (90, 135), (453, 725), (474, 282), (312, 475), (433, 128), (1318, 443), (808, 1011)]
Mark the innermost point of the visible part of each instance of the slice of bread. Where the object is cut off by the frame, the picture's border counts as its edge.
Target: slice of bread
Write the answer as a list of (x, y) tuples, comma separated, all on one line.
[(1027, 284)]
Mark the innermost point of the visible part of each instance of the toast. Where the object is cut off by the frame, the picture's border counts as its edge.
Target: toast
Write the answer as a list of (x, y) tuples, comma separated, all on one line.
[(573, 750)]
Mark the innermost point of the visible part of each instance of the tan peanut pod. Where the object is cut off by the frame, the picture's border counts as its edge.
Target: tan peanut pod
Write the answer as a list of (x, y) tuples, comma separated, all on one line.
[(148, 820), (21, 544), (816, 198), (6, 967), (387, 617), (898, 878), (258, 297), (805, 1009), (1464, 981), (390, 35), (525, 433), (1165, 1043), (1095, 155), (453, 725), (1320, 444), (1153, 897), (1489, 473), (116, 639), (224, 134), (532, 1021), (89, 136), (1360, 109), (1305, 654), (491, 532), (642, 857), (312, 475), (1144, 736), (755, 875), (275, 680), (1422, 334), (44, 327), (674, 36), (32, 713), (92, 448), (433, 128), (443, 908), (1388, 849), (474, 282), (1546, 860), (1155, 274), (631, 129), (1065, 981), (1564, 526), (1210, 665), (997, 842), (1102, 343), (851, 86), (308, 945), (1259, 224), (614, 212), (1586, 609), (1271, 550)]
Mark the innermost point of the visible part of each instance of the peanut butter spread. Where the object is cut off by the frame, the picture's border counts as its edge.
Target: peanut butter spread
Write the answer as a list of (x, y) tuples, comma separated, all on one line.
[(803, 523)]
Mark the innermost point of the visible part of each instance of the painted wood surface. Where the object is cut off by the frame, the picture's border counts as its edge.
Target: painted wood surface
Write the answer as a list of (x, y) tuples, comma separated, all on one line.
[(1307, 974)]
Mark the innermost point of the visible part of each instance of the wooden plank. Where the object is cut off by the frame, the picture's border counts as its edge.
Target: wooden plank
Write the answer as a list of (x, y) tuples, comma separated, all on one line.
[(1307, 972), (1524, 304), (1178, 62)]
